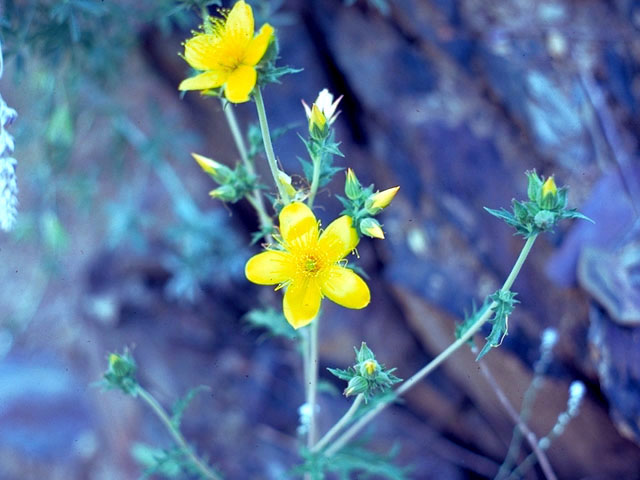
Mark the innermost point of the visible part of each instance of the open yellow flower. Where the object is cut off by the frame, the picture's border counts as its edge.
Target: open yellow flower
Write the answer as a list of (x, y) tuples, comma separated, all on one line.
[(228, 55), (310, 265)]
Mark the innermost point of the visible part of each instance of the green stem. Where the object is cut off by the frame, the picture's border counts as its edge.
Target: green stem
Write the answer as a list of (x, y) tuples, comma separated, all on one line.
[(417, 377), (312, 370), (315, 180), (255, 198), (268, 147), (346, 418), (177, 436)]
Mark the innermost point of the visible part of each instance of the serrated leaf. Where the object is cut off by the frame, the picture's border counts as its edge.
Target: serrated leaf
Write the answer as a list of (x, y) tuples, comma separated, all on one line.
[(502, 214), (576, 214), (181, 405), (273, 321), (343, 374), (499, 330)]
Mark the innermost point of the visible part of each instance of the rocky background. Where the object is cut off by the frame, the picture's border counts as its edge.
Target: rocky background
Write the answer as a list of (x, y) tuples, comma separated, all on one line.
[(119, 245)]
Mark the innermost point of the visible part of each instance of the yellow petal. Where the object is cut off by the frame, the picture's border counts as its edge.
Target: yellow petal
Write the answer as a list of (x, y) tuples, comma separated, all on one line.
[(239, 25), (204, 81), (301, 302), (346, 288), (270, 267), (338, 239), (258, 45), (240, 84), (298, 226), (200, 51)]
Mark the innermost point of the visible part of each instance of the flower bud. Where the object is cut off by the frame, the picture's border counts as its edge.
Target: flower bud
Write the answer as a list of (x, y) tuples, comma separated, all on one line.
[(220, 173), (369, 367), (549, 193), (285, 181), (380, 200), (226, 193), (321, 114), (544, 219), (364, 354), (121, 372), (356, 386), (371, 228), (352, 187)]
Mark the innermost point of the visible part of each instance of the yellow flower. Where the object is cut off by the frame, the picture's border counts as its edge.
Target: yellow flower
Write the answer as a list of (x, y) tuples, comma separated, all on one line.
[(310, 265), (228, 55)]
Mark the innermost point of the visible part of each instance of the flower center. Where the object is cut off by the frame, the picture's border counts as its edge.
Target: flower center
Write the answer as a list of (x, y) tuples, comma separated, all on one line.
[(310, 264)]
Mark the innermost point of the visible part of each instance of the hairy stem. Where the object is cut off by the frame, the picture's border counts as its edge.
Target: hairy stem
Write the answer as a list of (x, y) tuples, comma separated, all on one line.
[(177, 436), (268, 147), (417, 377)]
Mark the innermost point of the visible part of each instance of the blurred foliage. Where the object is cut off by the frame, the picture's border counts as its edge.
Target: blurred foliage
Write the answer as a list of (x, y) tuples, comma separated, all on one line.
[(71, 55), (354, 462)]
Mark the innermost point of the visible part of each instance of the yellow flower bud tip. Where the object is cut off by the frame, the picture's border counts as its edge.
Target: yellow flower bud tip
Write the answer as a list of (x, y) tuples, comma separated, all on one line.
[(317, 118), (207, 164), (375, 231), (383, 199), (370, 366), (113, 358), (349, 391), (549, 187)]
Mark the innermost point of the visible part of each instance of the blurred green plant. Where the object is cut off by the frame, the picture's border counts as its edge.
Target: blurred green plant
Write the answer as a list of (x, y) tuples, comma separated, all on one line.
[(121, 375)]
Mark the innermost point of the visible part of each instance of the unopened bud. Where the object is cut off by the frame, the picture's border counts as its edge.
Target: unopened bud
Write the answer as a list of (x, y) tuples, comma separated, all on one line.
[(549, 193), (219, 172), (356, 386), (352, 187), (371, 228), (380, 200), (226, 193), (544, 219), (370, 367)]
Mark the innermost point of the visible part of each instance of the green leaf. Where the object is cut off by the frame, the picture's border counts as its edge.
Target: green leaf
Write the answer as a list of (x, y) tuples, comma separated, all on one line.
[(273, 321), (180, 406), (345, 375), (494, 340)]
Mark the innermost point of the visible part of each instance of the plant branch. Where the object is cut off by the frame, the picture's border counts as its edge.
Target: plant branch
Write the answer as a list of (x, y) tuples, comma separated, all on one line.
[(346, 418), (417, 377), (255, 198), (177, 436), (268, 147), (515, 417)]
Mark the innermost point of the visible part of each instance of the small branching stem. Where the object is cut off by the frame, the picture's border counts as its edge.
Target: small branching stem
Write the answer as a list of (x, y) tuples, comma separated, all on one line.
[(176, 435), (515, 417), (340, 424), (268, 147), (417, 377), (255, 198)]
